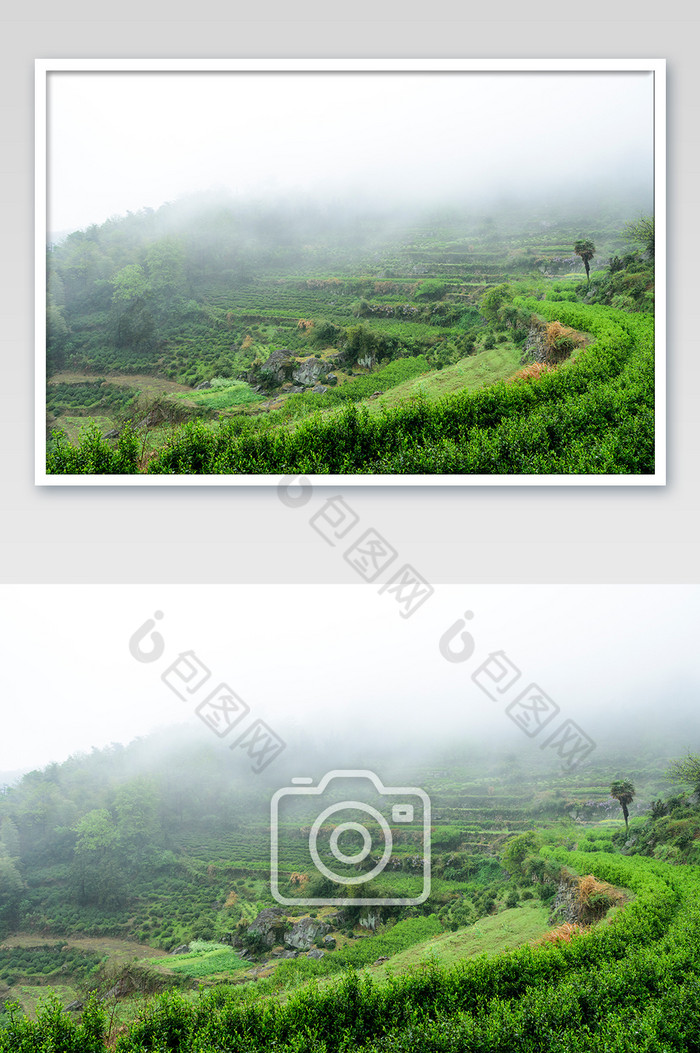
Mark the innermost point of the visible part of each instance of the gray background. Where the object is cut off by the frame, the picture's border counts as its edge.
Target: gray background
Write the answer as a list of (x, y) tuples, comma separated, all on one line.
[(221, 534)]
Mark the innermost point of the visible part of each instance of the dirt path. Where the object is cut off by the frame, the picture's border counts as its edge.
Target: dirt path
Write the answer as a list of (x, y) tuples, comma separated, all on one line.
[(119, 951), (148, 384)]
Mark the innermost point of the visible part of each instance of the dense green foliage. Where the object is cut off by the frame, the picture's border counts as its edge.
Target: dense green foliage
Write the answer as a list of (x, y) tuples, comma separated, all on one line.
[(94, 455), (671, 830), (55, 1030), (46, 963), (117, 844), (206, 292), (628, 284), (97, 395), (631, 985), (593, 416)]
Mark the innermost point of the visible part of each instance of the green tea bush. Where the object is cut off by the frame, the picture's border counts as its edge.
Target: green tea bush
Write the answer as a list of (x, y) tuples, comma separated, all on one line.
[(44, 960), (97, 396), (593, 416), (632, 985), (93, 455), (430, 289)]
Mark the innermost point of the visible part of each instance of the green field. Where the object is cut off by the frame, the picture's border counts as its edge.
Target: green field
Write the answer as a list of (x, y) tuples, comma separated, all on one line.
[(468, 374), (491, 935)]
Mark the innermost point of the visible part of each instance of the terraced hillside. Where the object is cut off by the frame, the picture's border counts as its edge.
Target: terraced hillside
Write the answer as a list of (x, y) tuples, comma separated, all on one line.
[(206, 873), (266, 355)]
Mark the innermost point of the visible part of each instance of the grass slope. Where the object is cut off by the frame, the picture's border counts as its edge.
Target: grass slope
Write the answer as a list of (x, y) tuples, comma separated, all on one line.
[(491, 935), (468, 374), (205, 959)]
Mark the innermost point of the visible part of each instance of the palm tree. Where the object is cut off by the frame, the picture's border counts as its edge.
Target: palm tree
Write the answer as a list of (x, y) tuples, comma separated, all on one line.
[(586, 250), (623, 791)]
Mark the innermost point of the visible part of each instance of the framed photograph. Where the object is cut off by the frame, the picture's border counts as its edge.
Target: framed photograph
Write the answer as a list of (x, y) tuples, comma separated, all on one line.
[(256, 853), (395, 272)]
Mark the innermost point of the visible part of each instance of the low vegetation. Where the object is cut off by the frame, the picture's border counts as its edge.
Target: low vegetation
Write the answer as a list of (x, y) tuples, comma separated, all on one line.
[(538, 923), (422, 356)]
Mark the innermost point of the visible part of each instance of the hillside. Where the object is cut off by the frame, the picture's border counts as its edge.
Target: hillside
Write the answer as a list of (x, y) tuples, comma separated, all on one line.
[(124, 885), (216, 341)]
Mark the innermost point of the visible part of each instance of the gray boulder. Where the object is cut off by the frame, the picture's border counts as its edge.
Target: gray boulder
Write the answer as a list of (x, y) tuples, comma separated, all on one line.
[(184, 948), (316, 953), (304, 934), (269, 925), (278, 368), (370, 919), (309, 371)]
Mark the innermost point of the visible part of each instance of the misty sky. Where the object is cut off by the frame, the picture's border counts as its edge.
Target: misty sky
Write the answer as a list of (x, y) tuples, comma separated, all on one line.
[(331, 659), (122, 141)]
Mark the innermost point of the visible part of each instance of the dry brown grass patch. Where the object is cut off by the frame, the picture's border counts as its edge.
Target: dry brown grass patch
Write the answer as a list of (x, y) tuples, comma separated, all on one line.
[(299, 879), (555, 331), (562, 933), (532, 372), (594, 898), (560, 341)]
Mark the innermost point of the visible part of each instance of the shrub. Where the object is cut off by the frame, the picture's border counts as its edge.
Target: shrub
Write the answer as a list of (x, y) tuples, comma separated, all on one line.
[(430, 289), (562, 932), (93, 455), (593, 416)]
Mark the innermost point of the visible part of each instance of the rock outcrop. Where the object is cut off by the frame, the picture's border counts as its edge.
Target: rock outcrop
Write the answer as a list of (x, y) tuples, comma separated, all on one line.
[(283, 370), (370, 919), (310, 371), (565, 906), (304, 934), (277, 369), (535, 346), (582, 900), (269, 926)]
